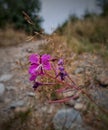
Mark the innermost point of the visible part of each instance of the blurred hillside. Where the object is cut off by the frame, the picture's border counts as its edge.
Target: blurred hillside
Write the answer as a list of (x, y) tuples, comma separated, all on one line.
[(18, 19), (89, 34), (19, 13), (9, 37)]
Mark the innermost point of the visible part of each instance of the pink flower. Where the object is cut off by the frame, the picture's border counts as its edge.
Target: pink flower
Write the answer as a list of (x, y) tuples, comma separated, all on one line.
[(60, 62), (38, 65), (61, 69), (34, 58)]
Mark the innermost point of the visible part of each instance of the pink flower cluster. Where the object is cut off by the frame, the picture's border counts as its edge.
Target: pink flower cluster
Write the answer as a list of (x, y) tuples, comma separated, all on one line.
[(39, 63)]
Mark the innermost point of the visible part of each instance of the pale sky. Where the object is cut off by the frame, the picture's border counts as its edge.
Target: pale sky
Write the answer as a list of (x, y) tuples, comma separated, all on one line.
[(55, 12)]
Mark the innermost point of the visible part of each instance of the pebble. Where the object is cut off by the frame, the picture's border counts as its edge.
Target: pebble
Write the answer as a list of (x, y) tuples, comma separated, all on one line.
[(29, 50), (9, 88), (79, 106), (70, 103), (16, 104), (67, 119), (100, 97), (2, 89), (79, 70), (31, 94), (21, 109), (103, 79), (6, 77), (50, 110), (43, 109), (68, 93)]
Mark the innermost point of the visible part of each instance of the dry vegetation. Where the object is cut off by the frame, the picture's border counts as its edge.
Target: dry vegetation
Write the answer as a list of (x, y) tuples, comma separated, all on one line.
[(10, 37), (86, 35)]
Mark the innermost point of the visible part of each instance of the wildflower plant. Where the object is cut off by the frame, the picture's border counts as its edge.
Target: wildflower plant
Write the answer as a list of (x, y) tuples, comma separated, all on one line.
[(48, 71), (44, 66)]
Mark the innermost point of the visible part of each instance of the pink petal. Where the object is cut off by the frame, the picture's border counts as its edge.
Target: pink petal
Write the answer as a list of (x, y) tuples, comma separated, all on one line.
[(33, 77), (34, 58), (32, 69), (46, 61), (60, 62), (45, 58), (47, 66)]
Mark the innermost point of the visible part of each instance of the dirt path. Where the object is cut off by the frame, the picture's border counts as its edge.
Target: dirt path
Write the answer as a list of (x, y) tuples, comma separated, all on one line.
[(14, 83), (11, 54)]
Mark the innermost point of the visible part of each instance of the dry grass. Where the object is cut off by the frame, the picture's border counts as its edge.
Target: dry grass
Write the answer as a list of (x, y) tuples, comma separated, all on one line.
[(87, 35), (10, 37), (94, 29)]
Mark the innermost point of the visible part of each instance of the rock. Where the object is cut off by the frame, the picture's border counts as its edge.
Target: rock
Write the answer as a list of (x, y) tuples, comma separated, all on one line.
[(9, 88), (68, 93), (21, 109), (16, 104), (50, 110), (6, 77), (79, 106), (67, 119), (29, 50), (103, 79), (2, 89), (7, 100), (31, 94), (100, 97), (70, 103), (44, 109), (79, 70)]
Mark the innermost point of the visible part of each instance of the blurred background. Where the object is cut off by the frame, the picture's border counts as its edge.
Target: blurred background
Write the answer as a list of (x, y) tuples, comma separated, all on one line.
[(84, 20), (75, 30), (57, 12), (50, 16)]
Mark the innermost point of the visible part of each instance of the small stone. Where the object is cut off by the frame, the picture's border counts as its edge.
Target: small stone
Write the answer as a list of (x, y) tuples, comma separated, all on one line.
[(9, 88), (103, 79), (17, 80), (21, 109), (68, 93), (31, 94), (29, 50), (79, 70), (79, 106), (43, 109), (6, 77), (70, 103), (50, 110), (100, 97), (7, 100), (67, 119), (19, 103), (2, 89)]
